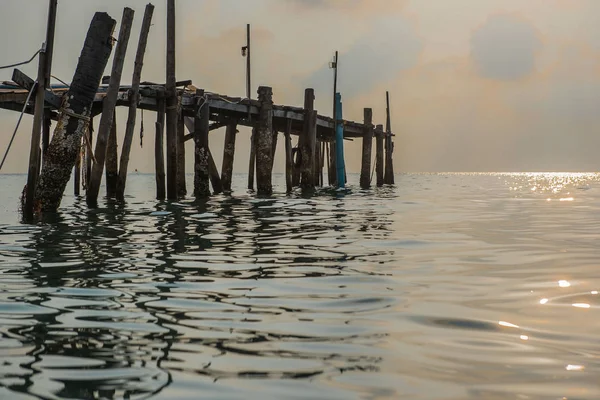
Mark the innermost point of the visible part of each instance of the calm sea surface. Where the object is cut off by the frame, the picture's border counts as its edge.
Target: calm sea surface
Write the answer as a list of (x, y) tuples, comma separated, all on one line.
[(446, 286)]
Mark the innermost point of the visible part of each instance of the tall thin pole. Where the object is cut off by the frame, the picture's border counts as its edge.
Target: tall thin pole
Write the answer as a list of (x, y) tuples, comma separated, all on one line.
[(335, 72), (248, 68), (43, 71)]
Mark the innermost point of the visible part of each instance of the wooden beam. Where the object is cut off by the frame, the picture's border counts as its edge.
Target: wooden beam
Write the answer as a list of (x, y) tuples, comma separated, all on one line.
[(159, 154), (201, 153), (389, 145), (171, 105), (228, 156), (108, 107), (213, 171), (289, 162), (181, 186), (134, 98), (264, 143), (308, 141), (112, 166), (367, 146), (65, 143)]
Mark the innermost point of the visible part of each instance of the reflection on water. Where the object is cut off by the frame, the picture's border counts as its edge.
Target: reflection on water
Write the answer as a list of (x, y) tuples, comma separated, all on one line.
[(449, 286)]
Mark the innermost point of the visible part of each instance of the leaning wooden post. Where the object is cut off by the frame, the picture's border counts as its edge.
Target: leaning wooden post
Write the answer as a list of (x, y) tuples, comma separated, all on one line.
[(379, 155), (213, 171), (228, 155), (297, 162), (201, 154), (134, 98), (171, 105), (34, 153), (308, 141), (112, 166), (389, 145), (252, 161), (289, 162), (181, 186), (108, 107), (159, 154), (264, 142), (367, 147), (75, 114)]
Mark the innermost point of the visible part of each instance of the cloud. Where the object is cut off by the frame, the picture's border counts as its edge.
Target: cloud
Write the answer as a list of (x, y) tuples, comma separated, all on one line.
[(504, 48), (356, 7), (391, 46)]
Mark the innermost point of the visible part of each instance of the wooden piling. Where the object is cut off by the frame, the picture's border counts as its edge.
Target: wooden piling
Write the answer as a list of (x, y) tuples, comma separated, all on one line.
[(379, 155), (331, 172), (264, 142), (77, 174), (172, 113), (75, 114), (108, 107), (134, 98), (228, 156), (252, 161), (367, 146), (308, 141), (89, 156), (213, 171), (297, 163), (201, 154), (33, 172), (181, 186), (317, 164), (112, 167), (159, 154), (289, 162), (389, 145)]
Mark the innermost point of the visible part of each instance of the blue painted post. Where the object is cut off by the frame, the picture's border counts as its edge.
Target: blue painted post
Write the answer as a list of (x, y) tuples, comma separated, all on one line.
[(339, 143)]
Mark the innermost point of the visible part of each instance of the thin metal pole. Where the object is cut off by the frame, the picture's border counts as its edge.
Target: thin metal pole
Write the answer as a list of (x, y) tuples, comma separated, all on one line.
[(248, 69), (335, 71)]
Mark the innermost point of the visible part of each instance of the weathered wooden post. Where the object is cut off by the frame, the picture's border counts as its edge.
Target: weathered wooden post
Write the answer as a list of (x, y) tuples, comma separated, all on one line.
[(308, 141), (317, 164), (108, 107), (252, 161), (297, 163), (274, 148), (43, 77), (379, 155), (201, 154), (112, 166), (213, 171), (367, 146), (181, 186), (159, 154), (264, 142), (134, 98), (89, 155), (289, 162), (228, 155), (77, 174), (75, 114), (171, 105), (389, 145)]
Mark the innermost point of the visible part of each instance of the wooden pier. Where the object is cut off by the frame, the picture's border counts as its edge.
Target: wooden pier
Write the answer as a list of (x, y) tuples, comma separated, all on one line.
[(188, 113)]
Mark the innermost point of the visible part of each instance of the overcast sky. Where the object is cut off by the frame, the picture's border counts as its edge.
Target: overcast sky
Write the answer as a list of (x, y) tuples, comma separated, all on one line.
[(476, 85)]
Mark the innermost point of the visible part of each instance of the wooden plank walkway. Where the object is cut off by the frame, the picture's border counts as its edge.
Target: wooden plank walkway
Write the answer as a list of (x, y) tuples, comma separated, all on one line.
[(223, 109)]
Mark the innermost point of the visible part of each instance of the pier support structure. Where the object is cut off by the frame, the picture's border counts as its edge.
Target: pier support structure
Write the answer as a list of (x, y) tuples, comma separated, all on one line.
[(264, 142), (367, 146)]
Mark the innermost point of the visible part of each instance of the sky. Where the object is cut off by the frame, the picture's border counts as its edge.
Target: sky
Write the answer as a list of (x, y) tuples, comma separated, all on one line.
[(475, 85)]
